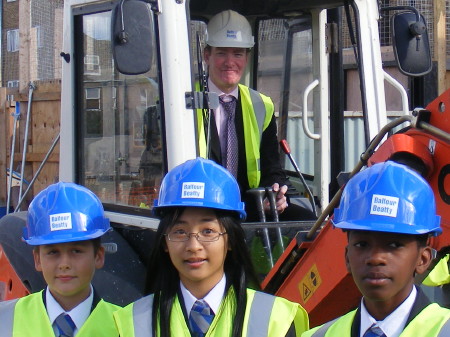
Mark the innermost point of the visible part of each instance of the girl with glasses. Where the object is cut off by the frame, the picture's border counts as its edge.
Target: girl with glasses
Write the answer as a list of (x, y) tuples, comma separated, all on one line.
[(200, 277)]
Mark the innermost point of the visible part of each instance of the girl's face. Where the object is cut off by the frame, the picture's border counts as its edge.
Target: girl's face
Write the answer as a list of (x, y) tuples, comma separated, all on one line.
[(200, 265)]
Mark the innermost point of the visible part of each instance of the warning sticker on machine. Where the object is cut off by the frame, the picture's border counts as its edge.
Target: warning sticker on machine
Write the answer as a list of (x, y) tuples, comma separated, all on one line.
[(309, 284)]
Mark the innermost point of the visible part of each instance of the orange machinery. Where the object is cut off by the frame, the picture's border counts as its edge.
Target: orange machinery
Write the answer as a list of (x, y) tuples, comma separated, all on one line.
[(312, 270)]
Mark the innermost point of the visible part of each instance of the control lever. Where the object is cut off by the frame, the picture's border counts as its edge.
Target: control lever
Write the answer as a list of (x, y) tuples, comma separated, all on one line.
[(271, 195), (258, 195), (285, 146)]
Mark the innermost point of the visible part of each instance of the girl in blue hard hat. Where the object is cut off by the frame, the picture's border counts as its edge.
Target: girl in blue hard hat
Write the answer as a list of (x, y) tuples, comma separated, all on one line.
[(389, 212), (64, 224), (200, 263)]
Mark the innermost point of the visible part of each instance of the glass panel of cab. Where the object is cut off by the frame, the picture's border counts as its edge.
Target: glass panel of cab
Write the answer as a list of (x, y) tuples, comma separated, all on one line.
[(119, 119)]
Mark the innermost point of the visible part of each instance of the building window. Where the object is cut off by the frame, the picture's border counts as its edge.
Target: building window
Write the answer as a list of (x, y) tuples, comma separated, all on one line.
[(12, 40), (92, 98), (37, 30), (12, 84), (94, 122), (92, 65)]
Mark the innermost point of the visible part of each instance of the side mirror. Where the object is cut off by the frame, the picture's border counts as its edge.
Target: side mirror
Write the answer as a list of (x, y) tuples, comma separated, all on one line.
[(411, 44), (132, 37)]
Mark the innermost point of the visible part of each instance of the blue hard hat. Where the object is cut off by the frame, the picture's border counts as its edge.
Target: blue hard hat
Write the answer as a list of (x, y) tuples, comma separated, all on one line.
[(388, 197), (64, 212), (199, 183)]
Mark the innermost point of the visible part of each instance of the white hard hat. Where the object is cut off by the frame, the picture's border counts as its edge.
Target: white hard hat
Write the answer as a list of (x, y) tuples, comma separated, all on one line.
[(229, 29)]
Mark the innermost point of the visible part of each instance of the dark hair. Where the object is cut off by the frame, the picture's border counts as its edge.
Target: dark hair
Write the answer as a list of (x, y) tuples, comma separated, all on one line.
[(422, 240), (163, 279)]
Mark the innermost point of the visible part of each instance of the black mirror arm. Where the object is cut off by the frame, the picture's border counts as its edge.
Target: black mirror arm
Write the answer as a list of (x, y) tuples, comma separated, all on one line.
[(417, 28), (122, 36)]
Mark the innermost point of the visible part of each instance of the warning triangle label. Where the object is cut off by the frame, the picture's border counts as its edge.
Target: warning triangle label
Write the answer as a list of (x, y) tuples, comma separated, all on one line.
[(306, 292)]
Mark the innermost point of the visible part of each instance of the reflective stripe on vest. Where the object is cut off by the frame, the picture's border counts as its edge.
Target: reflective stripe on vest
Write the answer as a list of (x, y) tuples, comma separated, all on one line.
[(323, 329), (258, 108), (7, 317), (258, 322), (445, 330), (142, 317), (257, 111)]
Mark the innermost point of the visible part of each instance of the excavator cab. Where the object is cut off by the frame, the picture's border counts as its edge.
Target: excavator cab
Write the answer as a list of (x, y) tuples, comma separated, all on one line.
[(129, 94)]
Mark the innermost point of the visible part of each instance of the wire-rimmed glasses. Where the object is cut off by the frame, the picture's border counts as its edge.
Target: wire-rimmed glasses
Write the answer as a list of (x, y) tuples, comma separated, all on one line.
[(205, 235)]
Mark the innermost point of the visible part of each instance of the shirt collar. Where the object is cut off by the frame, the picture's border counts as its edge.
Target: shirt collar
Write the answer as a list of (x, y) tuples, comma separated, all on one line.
[(213, 298), (393, 324), (79, 314), (213, 88)]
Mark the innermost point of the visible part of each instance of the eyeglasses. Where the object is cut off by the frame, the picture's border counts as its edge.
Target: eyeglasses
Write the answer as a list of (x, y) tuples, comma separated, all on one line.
[(206, 235)]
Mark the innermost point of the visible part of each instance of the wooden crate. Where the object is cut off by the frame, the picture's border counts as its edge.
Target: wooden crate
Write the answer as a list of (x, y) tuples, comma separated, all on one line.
[(43, 128)]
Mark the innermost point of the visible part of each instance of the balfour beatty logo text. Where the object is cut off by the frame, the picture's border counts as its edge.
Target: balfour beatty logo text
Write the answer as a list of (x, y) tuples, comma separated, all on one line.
[(232, 34), (384, 205), (60, 221), (194, 190)]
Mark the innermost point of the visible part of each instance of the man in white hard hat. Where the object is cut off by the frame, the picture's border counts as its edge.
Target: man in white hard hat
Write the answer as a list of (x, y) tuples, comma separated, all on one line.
[(243, 128)]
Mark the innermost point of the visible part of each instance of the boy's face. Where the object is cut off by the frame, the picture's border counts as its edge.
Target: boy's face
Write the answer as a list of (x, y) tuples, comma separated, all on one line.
[(383, 267), (68, 269)]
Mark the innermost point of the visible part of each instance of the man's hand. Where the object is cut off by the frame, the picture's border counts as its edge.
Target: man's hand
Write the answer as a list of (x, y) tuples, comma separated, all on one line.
[(280, 198)]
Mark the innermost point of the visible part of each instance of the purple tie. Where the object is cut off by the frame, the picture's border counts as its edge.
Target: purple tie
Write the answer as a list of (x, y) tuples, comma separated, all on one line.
[(230, 158)]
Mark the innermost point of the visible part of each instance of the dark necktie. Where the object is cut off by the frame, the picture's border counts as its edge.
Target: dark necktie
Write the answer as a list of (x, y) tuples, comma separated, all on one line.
[(230, 158), (65, 326), (200, 318), (374, 331)]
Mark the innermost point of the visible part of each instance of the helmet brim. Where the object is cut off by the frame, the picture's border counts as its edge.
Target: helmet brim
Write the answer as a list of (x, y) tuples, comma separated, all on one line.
[(398, 228), (50, 239), (230, 44), (158, 211)]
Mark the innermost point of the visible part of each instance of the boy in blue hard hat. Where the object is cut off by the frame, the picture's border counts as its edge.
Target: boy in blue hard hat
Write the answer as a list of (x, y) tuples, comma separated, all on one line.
[(200, 272), (389, 213), (64, 224)]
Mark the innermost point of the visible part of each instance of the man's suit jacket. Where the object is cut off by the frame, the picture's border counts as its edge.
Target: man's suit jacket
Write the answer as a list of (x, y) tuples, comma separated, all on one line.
[(271, 170)]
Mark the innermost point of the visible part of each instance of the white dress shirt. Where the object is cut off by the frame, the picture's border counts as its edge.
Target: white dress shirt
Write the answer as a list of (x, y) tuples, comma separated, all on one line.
[(395, 323), (79, 314), (213, 298), (219, 114)]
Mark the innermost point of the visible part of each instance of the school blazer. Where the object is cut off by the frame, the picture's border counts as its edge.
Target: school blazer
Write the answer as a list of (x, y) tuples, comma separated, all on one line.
[(426, 319)]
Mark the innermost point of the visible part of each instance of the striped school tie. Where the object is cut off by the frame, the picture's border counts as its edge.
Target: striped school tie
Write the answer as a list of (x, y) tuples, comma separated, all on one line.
[(200, 318), (64, 326), (374, 331)]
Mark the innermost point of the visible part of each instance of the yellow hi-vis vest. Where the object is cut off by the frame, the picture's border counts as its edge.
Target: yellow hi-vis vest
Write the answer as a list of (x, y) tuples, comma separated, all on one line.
[(28, 316), (433, 321), (265, 315), (257, 112), (439, 275)]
